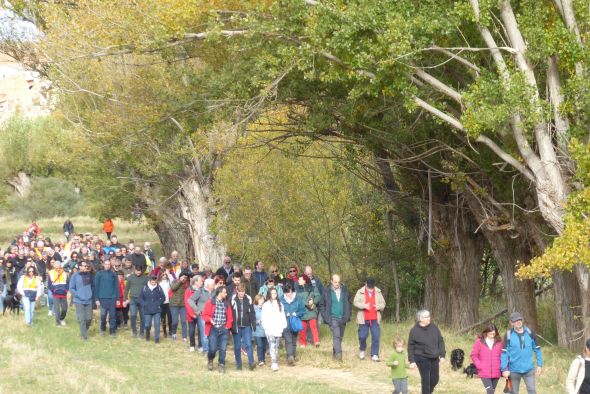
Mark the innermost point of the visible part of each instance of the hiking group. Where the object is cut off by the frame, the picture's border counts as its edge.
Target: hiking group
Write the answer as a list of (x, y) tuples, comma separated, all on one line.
[(257, 309)]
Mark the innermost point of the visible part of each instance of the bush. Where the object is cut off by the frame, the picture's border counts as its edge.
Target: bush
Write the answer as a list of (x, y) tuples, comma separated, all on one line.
[(47, 197)]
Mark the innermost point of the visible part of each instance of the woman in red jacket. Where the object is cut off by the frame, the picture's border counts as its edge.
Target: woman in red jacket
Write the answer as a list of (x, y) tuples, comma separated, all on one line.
[(485, 354)]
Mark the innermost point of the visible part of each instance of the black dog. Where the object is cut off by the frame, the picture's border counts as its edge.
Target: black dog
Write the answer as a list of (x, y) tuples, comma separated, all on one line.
[(12, 303), (470, 370), (457, 357)]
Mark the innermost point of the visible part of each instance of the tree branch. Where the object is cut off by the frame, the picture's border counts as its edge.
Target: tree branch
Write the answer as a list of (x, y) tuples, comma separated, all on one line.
[(439, 85), (506, 157)]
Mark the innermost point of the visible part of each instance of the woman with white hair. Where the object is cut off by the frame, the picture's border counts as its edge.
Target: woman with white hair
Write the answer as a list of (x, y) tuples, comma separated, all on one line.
[(426, 347)]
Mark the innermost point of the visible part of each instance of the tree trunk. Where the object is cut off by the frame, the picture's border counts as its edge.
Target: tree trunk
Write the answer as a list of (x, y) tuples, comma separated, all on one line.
[(173, 232), (459, 252), (21, 182), (570, 328), (193, 200), (436, 290), (509, 246)]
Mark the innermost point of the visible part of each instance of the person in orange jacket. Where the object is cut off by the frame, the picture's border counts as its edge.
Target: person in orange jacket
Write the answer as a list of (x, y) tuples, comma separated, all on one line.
[(108, 227)]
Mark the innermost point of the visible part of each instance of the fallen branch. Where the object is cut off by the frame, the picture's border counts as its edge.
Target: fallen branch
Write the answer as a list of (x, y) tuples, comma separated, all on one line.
[(505, 310)]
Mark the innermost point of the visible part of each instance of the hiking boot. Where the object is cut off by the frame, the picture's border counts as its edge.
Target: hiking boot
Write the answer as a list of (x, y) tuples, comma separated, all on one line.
[(210, 365), (291, 360), (375, 358), (338, 357), (221, 368), (112, 335), (274, 367), (135, 334), (157, 340), (362, 354), (252, 366)]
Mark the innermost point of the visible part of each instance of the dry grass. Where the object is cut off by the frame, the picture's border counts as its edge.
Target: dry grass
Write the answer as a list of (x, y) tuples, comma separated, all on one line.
[(46, 356), (49, 358)]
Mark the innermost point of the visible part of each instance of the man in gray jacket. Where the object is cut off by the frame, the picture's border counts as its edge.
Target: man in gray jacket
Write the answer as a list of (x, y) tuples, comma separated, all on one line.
[(197, 302)]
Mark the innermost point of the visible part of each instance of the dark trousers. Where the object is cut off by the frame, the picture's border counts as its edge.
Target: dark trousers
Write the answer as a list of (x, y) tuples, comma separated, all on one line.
[(192, 329), (428, 368), (290, 342), (107, 307), (166, 317), (60, 308), (490, 384), (134, 308), (337, 326)]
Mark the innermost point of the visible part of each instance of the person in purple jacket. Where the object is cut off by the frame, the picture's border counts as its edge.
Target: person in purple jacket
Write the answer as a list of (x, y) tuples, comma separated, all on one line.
[(485, 354)]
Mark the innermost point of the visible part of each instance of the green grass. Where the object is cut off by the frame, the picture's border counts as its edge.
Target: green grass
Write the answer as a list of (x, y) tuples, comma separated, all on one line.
[(46, 357)]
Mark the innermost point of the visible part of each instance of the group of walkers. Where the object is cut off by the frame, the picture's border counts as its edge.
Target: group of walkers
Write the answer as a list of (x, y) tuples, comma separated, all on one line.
[(246, 304)]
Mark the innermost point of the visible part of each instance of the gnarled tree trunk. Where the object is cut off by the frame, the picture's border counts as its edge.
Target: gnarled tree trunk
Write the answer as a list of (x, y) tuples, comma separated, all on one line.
[(509, 247), (194, 198), (458, 254)]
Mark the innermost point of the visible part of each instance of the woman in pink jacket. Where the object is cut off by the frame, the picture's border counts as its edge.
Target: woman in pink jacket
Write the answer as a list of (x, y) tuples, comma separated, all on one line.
[(485, 354)]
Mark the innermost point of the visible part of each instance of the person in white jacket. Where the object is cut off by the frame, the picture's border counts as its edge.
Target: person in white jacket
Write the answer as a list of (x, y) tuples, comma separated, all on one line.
[(577, 382), (30, 287), (273, 322)]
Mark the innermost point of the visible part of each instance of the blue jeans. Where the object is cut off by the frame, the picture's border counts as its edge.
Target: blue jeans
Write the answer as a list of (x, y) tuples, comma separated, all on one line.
[(178, 310), (261, 347), (29, 307), (135, 307), (204, 340), (148, 324), (217, 341), (3, 295), (107, 307), (50, 299), (243, 339), (373, 327)]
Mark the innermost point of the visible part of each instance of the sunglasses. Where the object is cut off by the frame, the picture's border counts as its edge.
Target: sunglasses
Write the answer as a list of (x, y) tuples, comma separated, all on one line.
[(291, 271), (30, 272), (274, 271)]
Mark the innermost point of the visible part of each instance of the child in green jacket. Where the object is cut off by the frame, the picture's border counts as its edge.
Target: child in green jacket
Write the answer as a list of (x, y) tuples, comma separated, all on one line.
[(398, 363)]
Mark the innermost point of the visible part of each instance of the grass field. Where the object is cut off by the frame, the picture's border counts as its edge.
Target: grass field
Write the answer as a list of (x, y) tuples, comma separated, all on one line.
[(48, 358)]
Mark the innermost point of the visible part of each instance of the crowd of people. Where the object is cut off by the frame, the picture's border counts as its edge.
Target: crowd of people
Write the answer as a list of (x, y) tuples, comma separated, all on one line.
[(256, 308)]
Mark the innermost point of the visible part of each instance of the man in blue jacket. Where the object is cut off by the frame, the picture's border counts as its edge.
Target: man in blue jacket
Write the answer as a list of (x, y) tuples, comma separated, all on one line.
[(106, 284), (520, 343), (82, 290)]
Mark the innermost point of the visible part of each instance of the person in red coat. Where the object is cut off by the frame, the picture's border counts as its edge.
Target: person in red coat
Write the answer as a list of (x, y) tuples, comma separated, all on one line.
[(485, 354), (218, 319)]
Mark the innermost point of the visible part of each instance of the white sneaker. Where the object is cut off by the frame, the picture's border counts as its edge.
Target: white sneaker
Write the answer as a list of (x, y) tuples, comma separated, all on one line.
[(201, 350), (375, 358), (192, 349), (274, 367), (362, 355), (62, 322), (50, 313)]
